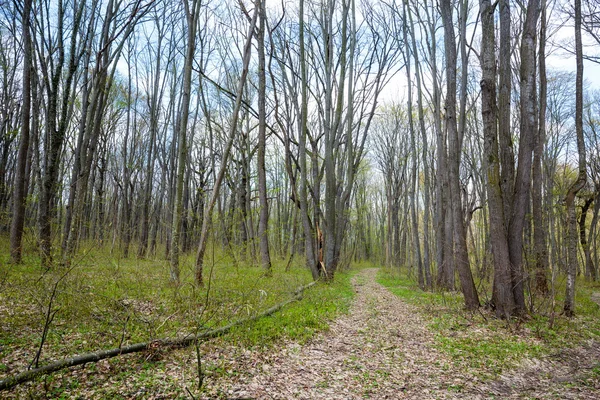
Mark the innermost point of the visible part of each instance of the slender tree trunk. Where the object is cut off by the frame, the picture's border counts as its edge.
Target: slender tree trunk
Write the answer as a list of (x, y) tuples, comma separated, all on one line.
[(413, 145), (263, 221), (191, 15), (20, 187), (425, 150), (147, 190), (233, 127), (526, 144), (539, 225), (569, 306), (507, 154), (590, 265), (445, 266), (309, 231), (583, 239)]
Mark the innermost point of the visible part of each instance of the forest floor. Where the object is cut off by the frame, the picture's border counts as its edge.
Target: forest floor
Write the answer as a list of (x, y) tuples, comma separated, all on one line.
[(383, 349), (392, 342)]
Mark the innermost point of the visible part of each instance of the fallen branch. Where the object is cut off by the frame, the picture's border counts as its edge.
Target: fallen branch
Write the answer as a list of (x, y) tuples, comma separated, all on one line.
[(26, 376)]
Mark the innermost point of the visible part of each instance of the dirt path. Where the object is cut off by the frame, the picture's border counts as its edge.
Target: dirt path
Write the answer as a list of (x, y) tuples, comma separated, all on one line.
[(382, 349)]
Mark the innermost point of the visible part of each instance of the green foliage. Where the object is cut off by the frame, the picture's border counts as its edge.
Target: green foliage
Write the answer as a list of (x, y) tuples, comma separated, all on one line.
[(488, 346), (300, 320)]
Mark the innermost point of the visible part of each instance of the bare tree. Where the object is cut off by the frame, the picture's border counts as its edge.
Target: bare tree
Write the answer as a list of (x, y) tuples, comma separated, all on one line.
[(192, 12), (569, 306), (263, 220), (461, 256), (217, 184), (21, 178), (504, 299)]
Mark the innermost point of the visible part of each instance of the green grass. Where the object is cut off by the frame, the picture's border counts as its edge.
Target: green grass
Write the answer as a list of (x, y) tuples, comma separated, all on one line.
[(300, 320), (488, 346), (106, 301)]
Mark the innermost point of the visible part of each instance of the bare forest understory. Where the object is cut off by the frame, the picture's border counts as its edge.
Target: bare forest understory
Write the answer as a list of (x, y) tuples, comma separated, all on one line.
[(382, 348)]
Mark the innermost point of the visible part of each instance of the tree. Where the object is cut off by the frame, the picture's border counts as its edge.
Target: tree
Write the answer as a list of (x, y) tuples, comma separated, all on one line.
[(58, 91), (569, 306), (192, 13), (263, 220), (504, 299), (460, 254), (21, 178), (540, 241), (217, 184)]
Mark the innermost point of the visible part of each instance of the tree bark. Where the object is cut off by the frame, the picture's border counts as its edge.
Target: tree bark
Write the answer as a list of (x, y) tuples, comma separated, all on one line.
[(425, 152), (461, 256), (20, 187), (191, 16), (504, 298), (539, 223), (413, 184), (263, 221), (528, 128), (569, 306)]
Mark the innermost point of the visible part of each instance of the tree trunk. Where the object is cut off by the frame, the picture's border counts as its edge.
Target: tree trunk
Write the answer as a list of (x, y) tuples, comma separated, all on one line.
[(233, 127), (191, 15), (425, 150), (583, 239), (507, 154), (590, 265), (461, 256), (309, 229), (569, 307), (526, 144), (539, 233), (504, 299), (413, 184), (263, 221), (153, 129), (20, 188)]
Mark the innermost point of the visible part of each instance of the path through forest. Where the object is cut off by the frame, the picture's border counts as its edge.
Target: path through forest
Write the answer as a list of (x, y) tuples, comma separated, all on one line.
[(383, 349)]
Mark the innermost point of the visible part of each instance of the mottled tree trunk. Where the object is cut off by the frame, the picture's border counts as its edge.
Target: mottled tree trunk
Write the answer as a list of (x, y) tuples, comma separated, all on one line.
[(528, 131), (20, 182), (461, 256), (504, 299)]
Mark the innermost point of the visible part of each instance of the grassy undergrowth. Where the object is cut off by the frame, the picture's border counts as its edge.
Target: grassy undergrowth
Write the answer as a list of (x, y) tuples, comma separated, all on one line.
[(488, 346), (104, 302)]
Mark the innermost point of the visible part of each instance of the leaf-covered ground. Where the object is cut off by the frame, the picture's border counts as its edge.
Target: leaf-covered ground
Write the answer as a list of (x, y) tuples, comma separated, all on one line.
[(383, 348)]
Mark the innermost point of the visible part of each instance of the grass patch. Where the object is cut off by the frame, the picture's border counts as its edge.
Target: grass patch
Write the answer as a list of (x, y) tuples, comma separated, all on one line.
[(488, 346), (107, 301), (299, 321)]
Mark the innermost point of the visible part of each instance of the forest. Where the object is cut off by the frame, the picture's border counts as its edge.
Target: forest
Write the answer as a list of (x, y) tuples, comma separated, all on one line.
[(216, 186)]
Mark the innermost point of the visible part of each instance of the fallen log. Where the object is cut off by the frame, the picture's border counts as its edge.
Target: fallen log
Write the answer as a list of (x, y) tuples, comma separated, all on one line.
[(26, 376)]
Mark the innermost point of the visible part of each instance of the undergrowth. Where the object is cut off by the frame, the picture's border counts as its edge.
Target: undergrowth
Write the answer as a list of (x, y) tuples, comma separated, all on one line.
[(106, 301), (488, 346)]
